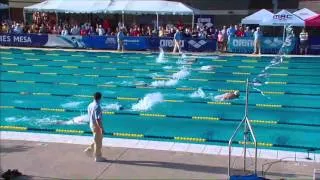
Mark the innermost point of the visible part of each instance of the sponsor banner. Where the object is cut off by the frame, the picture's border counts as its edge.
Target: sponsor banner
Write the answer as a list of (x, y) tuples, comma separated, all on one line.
[(314, 47), (23, 40), (136, 43), (100, 42), (65, 41), (204, 21), (268, 45), (194, 45)]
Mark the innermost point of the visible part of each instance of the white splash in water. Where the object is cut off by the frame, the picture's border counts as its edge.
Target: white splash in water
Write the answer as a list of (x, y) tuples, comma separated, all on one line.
[(181, 74), (170, 82), (167, 67), (183, 56), (83, 119), (207, 68), (73, 104), (198, 94), (148, 101), (160, 58), (114, 106)]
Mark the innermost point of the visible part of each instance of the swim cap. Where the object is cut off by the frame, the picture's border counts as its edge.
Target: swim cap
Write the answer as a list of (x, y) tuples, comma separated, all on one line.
[(236, 93)]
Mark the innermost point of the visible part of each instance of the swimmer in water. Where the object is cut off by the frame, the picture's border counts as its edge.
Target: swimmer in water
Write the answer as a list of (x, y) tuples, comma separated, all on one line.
[(228, 96)]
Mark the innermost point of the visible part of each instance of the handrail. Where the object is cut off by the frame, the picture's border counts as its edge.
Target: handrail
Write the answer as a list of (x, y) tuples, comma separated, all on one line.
[(247, 129)]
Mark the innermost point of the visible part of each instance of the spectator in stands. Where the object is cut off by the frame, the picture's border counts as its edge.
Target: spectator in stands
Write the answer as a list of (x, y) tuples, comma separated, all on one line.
[(64, 31), (100, 31), (75, 30), (187, 33), (17, 29), (211, 33), (247, 32), (304, 37), (240, 32), (55, 30), (83, 31), (120, 38), (257, 40), (42, 29), (161, 32), (91, 31), (231, 32), (4, 28)]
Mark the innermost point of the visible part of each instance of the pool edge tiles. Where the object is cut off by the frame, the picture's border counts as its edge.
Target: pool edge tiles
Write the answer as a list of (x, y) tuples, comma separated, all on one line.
[(162, 145), (148, 52)]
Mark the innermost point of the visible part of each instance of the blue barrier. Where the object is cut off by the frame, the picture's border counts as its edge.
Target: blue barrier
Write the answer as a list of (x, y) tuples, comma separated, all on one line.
[(236, 45), (314, 47), (269, 45)]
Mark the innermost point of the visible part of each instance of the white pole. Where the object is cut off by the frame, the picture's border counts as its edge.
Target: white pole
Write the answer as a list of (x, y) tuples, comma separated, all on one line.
[(284, 33), (157, 21), (9, 13), (192, 21)]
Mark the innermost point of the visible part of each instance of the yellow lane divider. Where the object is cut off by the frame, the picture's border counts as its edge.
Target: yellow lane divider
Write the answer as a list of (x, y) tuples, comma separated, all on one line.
[(52, 74), (83, 96), (206, 118), (269, 105), (259, 144), (219, 60), (42, 94), (67, 131), (91, 75), (70, 67), (185, 89), (240, 73), (235, 81), (40, 65), (226, 90), (278, 74), (16, 72), (103, 56), (77, 55), (128, 135), (27, 82), (51, 54), (277, 83), (127, 98), (68, 84), (159, 78), (87, 61), (52, 109), (16, 128), (273, 92), (9, 64), (189, 139), (152, 115), (108, 112), (6, 107), (125, 76), (198, 79), (219, 103), (263, 122)]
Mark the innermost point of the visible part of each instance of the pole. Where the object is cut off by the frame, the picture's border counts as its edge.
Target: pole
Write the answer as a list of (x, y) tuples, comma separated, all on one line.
[(57, 19), (157, 21), (24, 16), (284, 33), (9, 13), (122, 18), (192, 26)]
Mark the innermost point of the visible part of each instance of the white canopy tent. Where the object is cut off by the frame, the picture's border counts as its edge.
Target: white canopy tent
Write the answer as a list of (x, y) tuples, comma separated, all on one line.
[(257, 17), (304, 13), (157, 7), (283, 18), (4, 6), (69, 6)]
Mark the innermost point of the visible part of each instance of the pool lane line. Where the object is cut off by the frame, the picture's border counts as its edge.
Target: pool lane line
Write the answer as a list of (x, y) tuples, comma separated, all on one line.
[(154, 64), (148, 136), (145, 87), (127, 55), (136, 99), (158, 115), (156, 70), (150, 78)]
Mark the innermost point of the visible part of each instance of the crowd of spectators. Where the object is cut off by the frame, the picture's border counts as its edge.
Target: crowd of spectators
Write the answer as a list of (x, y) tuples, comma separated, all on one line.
[(43, 23)]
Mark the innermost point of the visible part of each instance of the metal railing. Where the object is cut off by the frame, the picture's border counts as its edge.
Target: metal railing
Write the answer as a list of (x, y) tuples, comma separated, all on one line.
[(247, 131)]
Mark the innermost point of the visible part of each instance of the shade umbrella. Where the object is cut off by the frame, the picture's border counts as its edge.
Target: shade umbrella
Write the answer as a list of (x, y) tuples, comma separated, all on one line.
[(313, 21), (304, 13), (257, 17)]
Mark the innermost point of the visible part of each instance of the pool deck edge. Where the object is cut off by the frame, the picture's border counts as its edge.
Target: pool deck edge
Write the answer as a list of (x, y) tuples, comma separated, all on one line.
[(162, 145)]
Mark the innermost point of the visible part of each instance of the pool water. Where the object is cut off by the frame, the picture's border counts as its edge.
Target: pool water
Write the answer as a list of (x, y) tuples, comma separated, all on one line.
[(171, 99)]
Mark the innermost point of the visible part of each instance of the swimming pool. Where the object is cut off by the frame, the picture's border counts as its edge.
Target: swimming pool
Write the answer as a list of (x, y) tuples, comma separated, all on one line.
[(170, 99)]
